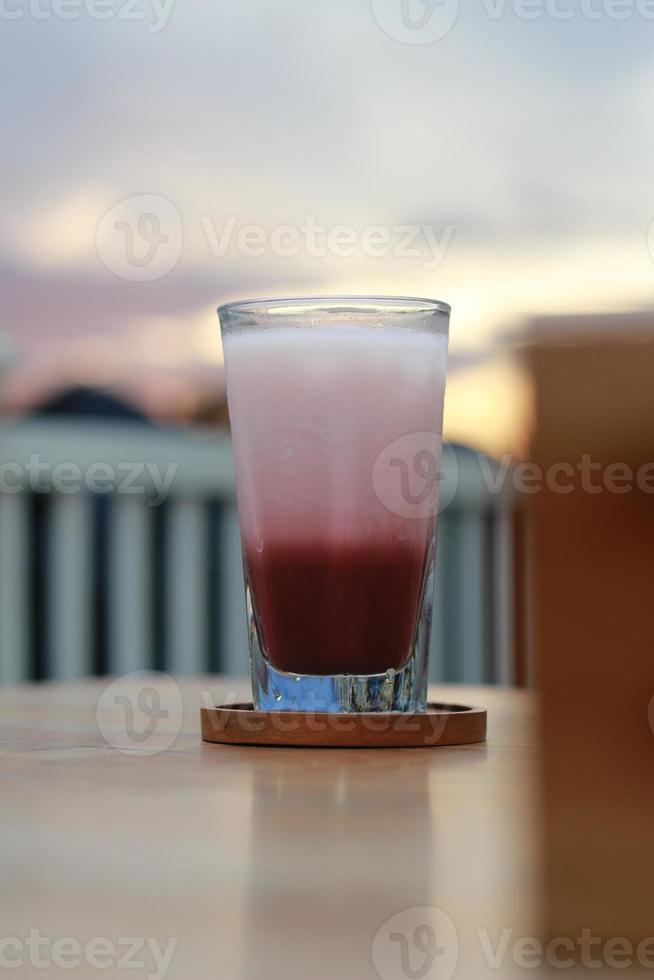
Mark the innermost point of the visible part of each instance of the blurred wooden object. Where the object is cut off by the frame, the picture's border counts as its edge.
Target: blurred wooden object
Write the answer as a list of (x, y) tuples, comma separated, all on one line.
[(520, 594), (592, 605)]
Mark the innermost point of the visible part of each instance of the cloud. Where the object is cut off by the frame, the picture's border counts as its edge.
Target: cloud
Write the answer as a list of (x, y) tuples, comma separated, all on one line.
[(526, 136)]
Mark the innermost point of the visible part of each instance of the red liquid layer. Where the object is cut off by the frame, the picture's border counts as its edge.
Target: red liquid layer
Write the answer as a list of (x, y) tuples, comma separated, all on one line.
[(337, 608)]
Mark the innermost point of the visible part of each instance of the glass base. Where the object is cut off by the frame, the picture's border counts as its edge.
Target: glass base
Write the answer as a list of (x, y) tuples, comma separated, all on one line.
[(396, 690), (404, 689)]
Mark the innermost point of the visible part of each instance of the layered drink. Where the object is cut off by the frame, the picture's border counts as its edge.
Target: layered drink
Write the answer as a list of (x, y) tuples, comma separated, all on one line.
[(336, 423)]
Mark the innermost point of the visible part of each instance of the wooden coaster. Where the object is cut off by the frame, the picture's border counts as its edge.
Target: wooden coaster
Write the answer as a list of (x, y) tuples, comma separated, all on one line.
[(442, 724)]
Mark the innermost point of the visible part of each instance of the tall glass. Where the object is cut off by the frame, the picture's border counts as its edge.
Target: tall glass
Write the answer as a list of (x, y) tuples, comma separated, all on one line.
[(336, 409)]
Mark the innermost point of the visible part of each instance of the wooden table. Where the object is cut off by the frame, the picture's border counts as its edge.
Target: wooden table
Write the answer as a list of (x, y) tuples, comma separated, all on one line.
[(263, 863)]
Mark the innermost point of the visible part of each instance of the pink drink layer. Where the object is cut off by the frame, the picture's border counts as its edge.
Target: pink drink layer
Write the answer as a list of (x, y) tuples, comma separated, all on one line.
[(334, 557)]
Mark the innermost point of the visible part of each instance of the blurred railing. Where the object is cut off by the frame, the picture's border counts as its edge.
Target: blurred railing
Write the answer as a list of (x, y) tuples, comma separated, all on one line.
[(105, 582)]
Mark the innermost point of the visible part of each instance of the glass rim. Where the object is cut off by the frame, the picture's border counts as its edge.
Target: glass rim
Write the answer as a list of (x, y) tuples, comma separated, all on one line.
[(357, 304)]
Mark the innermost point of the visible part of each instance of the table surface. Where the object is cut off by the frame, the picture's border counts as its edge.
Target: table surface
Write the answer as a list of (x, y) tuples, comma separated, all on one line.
[(260, 862)]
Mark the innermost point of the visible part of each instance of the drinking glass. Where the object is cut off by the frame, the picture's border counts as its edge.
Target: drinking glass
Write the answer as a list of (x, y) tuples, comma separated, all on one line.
[(336, 409)]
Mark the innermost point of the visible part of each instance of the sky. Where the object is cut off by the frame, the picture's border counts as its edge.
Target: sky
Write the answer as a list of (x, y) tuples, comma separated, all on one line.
[(163, 156)]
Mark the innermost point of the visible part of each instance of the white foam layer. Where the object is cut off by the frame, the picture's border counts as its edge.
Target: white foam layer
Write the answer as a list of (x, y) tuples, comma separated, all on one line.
[(311, 410)]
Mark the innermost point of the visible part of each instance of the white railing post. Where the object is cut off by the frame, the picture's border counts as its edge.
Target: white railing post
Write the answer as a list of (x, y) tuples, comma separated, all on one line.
[(185, 605), (471, 625), (14, 588), (130, 582), (69, 585)]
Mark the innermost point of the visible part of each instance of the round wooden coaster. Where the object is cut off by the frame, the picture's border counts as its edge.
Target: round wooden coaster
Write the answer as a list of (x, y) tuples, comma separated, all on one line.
[(442, 724)]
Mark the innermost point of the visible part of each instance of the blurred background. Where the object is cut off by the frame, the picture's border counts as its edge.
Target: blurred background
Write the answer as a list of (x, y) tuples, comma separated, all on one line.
[(164, 156)]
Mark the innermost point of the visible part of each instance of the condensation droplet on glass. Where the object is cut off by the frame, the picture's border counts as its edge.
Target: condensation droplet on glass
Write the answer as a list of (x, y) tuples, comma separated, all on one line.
[(277, 694), (390, 675)]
